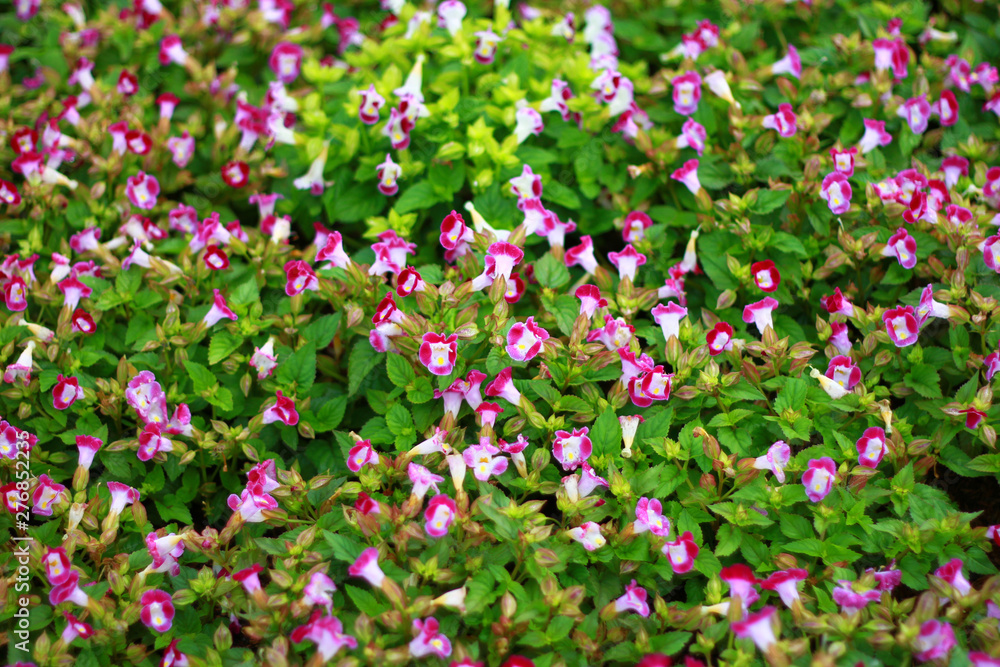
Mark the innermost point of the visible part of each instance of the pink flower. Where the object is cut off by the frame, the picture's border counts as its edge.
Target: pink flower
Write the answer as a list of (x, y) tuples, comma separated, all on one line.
[(216, 259), (649, 516), (66, 391), (283, 410), (235, 174), (9, 193), (73, 290), (886, 579), (871, 447), (439, 352), (252, 503), (875, 136), (249, 579), (506, 256), (441, 511), (954, 167), (775, 460), (128, 83), (299, 277), (687, 93), (901, 325), (327, 632), (152, 441), (655, 384), (785, 584), (69, 591), (936, 639), (636, 224), (503, 386), (688, 175), (121, 495), (843, 371), (790, 64), (818, 478), (88, 447), (572, 449), (765, 275), (720, 338), (285, 61), (360, 455), (429, 640), (741, 580), (837, 192), (172, 51), (142, 190), (849, 600), (916, 111), (634, 599), (669, 318), (759, 627), (681, 552), (75, 628), (157, 610), (759, 313), (388, 174), (371, 103), (422, 479), (589, 535), (398, 129), (590, 299), (165, 551), (583, 255), (525, 340), (480, 458), (837, 303), (628, 261), (366, 567), (951, 573), (528, 121), (843, 160), (615, 334), (318, 590), (218, 311), (333, 251), (58, 568), (693, 135), (486, 46), (784, 121), (946, 108)]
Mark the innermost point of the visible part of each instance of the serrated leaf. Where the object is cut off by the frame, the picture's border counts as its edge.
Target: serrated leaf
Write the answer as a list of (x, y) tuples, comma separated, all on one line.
[(299, 368), (399, 420), (344, 548), (221, 398), (320, 332), (202, 378), (924, 379), (222, 345), (245, 293), (551, 272), (399, 370), (360, 364), (606, 433), (365, 601), (417, 198), (330, 414)]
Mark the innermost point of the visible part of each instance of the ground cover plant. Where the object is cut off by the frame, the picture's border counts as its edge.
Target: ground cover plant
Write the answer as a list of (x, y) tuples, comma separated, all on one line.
[(554, 335)]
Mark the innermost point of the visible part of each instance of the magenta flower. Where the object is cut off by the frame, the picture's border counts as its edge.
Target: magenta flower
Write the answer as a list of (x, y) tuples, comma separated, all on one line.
[(283, 410), (75, 628), (590, 299), (333, 251), (172, 51), (615, 334), (506, 256), (759, 313), (681, 553), (871, 447), (299, 277), (916, 111), (165, 551), (88, 447), (527, 122), (285, 61), (819, 477), (886, 579), (875, 136), (366, 567), (951, 573), (152, 441), (236, 174), (58, 568), (503, 386), (837, 303), (655, 384), (837, 192), (843, 160), (991, 253), (901, 325), (525, 340), (688, 175), (775, 460), (251, 504), (741, 581), (583, 255), (142, 190), (157, 610), (480, 458), (360, 455), (441, 511), (954, 167), (422, 480), (66, 391), (371, 103), (669, 318), (759, 627), (634, 599), (843, 371), (219, 310), (635, 225), (486, 46), (765, 275), (790, 64), (429, 640), (589, 535), (946, 108), (935, 641), (903, 247), (720, 338), (439, 352), (649, 516), (693, 135), (388, 176), (327, 632), (572, 449), (785, 584), (627, 261), (686, 93), (784, 121), (849, 600)]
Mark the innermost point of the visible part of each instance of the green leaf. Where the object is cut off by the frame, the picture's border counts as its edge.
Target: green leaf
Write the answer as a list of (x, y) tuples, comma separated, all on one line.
[(245, 293), (924, 380), (203, 378), (809, 546), (361, 363), (551, 272), (299, 368), (364, 601), (399, 420), (416, 198), (399, 370), (330, 414), (345, 549), (795, 527), (559, 628), (557, 193), (421, 392), (221, 398), (670, 643), (606, 433), (770, 200), (222, 345), (320, 332)]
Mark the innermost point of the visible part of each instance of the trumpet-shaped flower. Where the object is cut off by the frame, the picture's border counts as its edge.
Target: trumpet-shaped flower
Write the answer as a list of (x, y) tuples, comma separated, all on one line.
[(819, 477)]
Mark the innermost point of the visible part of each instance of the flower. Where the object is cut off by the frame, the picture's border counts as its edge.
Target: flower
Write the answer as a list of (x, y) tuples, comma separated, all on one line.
[(843, 160), (285, 61), (589, 535), (422, 479), (851, 601), (871, 447), (450, 14), (218, 311), (583, 255), (506, 256), (525, 340), (75, 628), (572, 449), (837, 303), (693, 135), (687, 93), (486, 46), (165, 551), (951, 573), (628, 261), (172, 51), (916, 111), (428, 639), (954, 167), (157, 610), (249, 579), (327, 632), (634, 599), (741, 580), (759, 313), (875, 136), (903, 247), (527, 122), (503, 386), (818, 478), (936, 639), (312, 180), (759, 627), (142, 190), (480, 458), (946, 108), (629, 424), (66, 391), (319, 589), (236, 174), (688, 175), (388, 174), (615, 334), (47, 494), (720, 338), (790, 64), (837, 192), (681, 553), (264, 359), (649, 516), (991, 254), (366, 567), (333, 252), (283, 410), (785, 583), (901, 325), (360, 455), (843, 371), (216, 259), (775, 460), (784, 121), (439, 352), (669, 318), (765, 275), (371, 102), (251, 503), (441, 511), (152, 442), (886, 579)]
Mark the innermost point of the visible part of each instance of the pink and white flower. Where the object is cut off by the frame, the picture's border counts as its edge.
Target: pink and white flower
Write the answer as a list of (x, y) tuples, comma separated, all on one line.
[(503, 386), (901, 325), (527, 122), (935, 641), (693, 135), (628, 261), (903, 247), (837, 192), (525, 340), (360, 455), (440, 514), (480, 458), (954, 167), (388, 176), (669, 318), (66, 391), (590, 300), (759, 627), (649, 517), (871, 447), (286, 61), (366, 567), (583, 255), (837, 303), (875, 136), (946, 108), (371, 103), (783, 121), (572, 449), (790, 64), (843, 160), (688, 175), (327, 632), (681, 552), (686, 93), (819, 477), (429, 640), (589, 535), (775, 460), (843, 371), (785, 584), (283, 410), (634, 599), (157, 610), (438, 353), (486, 46), (916, 111), (759, 313), (765, 275), (720, 338)]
